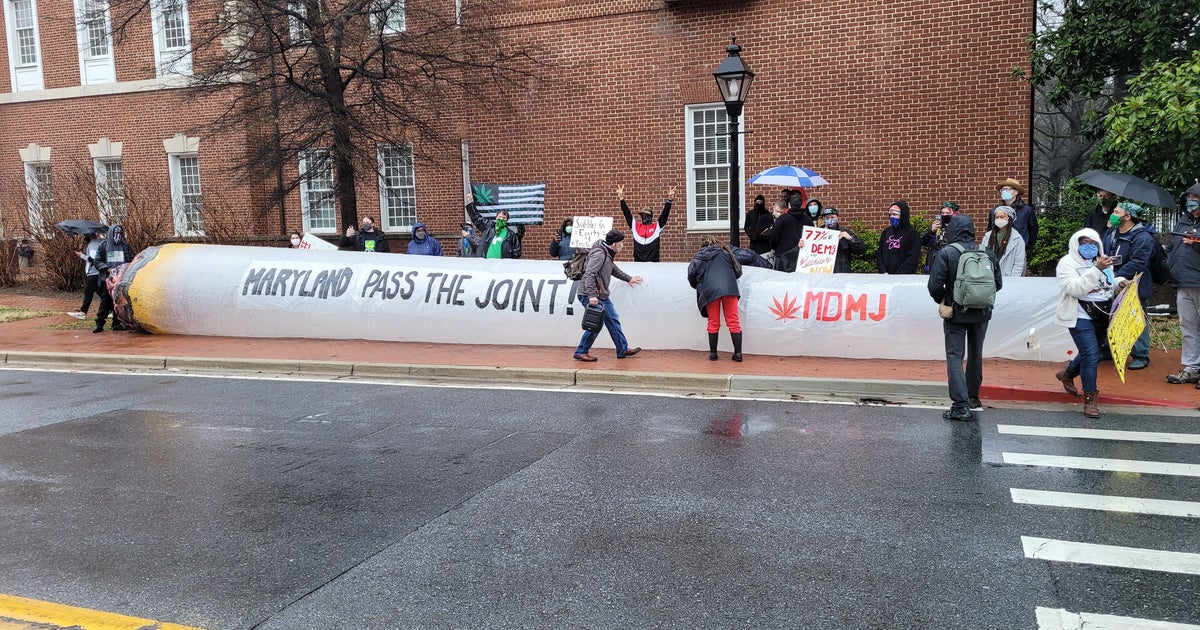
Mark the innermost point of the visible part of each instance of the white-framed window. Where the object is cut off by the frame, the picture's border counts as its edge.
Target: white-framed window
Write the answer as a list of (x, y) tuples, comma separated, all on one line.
[(317, 206), (388, 16), (299, 28), (187, 203), (172, 37), (110, 189), (39, 195), (92, 23), (24, 48), (397, 188), (708, 166)]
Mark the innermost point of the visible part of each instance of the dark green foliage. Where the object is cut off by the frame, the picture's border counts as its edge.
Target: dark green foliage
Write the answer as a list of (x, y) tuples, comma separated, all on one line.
[(1057, 222)]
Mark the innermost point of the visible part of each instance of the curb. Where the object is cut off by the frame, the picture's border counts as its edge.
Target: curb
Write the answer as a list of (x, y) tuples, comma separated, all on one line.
[(786, 388)]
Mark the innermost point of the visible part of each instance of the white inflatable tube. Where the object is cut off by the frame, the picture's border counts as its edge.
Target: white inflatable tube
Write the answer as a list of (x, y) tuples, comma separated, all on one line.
[(269, 292)]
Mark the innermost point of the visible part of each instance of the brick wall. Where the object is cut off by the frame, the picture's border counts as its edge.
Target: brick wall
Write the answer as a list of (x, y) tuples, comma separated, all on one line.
[(887, 99)]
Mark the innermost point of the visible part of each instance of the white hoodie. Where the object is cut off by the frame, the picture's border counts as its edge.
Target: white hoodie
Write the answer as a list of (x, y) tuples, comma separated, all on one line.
[(1078, 279)]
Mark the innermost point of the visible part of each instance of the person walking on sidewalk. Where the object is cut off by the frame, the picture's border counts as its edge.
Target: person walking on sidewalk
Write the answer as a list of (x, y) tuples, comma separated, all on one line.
[(646, 231), (594, 290), (714, 273), (966, 328), (91, 286), (1085, 282), (1184, 261), (112, 254)]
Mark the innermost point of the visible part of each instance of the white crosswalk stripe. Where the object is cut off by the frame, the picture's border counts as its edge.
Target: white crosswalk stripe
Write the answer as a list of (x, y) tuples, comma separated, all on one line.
[(1086, 553)]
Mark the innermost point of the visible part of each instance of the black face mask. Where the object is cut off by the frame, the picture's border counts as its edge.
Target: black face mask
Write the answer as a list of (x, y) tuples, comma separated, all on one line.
[(647, 219), (759, 205)]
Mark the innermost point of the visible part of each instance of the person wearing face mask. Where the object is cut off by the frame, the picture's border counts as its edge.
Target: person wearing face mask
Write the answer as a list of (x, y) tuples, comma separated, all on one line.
[(468, 241), (560, 245), (1097, 219), (1183, 258), (368, 239), (1024, 220), (422, 244), (814, 210), (112, 254), (1086, 283), (758, 226), (788, 230), (1005, 242), (91, 287), (294, 240), (933, 238), (849, 243), (598, 273), (497, 238), (646, 231), (1131, 242), (899, 244)]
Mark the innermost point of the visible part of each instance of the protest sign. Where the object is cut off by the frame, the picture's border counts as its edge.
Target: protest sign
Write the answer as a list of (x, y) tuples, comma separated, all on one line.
[(587, 230), (1125, 326), (312, 242), (819, 251)]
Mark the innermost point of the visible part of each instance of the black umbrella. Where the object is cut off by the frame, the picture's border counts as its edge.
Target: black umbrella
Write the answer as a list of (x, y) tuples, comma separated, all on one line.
[(80, 226), (1130, 187)]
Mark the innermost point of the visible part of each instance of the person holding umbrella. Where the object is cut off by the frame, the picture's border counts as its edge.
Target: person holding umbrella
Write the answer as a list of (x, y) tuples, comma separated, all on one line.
[(91, 285), (1131, 244), (1097, 219)]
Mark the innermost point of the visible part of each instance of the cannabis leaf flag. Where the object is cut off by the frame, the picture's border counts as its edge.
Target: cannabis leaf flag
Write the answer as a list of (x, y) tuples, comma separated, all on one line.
[(525, 203)]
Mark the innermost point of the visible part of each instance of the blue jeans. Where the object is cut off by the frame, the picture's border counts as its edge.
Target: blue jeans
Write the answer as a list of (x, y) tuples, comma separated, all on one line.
[(610, 322), (1141, 347), (1085, 362)]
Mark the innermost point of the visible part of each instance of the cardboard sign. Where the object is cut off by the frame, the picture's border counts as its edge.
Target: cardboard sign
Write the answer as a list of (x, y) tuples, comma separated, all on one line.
[(819, 251), (1126, 325), (587, 230), (312, 242)]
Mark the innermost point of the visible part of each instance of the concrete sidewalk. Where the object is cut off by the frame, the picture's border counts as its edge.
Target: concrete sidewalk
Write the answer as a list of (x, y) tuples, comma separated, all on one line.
[(59, 340)]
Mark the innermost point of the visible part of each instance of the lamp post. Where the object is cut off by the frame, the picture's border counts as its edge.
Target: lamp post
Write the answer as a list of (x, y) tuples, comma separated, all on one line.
[(733, 79)]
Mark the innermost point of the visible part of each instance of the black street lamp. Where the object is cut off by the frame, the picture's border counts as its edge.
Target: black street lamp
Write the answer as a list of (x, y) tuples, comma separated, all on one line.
[(733, 79)]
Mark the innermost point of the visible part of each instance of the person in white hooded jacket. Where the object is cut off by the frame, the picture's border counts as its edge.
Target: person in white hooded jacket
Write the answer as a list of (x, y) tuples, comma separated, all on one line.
[(1086, 287)]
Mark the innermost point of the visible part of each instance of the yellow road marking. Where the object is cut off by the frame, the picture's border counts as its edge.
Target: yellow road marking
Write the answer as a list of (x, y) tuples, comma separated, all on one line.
[(18, 609)]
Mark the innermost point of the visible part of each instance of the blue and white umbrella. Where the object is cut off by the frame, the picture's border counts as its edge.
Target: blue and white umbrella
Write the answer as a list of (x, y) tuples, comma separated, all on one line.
[(794, 176)]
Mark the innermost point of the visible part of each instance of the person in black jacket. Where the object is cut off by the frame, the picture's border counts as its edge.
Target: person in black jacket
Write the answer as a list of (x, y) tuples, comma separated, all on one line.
[(560, 243), (758, 226), (788, 231), (1132, 241), (899, 244), (849, 243), (714, 273), (646, 231), (112, 254), (1097, 219), (368, 239), (967, 327), (1024, 219)]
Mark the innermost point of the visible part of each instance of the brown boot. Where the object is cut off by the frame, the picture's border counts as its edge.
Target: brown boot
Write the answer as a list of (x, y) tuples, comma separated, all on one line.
[(1068, 382), (1090, 408)]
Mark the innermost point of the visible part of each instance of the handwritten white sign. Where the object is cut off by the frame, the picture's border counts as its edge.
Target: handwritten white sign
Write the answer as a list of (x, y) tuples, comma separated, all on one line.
[(819, 251), (587, 230), (312, 242)]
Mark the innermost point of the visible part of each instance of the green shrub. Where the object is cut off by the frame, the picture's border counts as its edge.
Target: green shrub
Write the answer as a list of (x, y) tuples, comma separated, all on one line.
[(1057, 221)]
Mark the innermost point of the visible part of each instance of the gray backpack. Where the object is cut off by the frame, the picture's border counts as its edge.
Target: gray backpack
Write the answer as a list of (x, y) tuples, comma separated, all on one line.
[(975, 284)]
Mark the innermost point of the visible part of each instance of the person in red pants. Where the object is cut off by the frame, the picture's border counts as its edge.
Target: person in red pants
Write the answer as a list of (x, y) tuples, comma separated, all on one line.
[(714, 273)]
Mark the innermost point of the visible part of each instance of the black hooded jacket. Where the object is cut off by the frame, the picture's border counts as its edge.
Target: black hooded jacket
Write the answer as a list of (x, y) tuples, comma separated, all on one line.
[(758, 226), (786, 234), (944, 269), (899, 247), (714, 274)]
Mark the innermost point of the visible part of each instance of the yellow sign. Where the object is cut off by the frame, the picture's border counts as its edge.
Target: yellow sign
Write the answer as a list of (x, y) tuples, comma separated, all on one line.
[(1126, 326)]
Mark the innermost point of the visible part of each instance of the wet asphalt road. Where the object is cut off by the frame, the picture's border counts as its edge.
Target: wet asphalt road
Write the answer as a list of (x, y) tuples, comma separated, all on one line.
[(225, 503)]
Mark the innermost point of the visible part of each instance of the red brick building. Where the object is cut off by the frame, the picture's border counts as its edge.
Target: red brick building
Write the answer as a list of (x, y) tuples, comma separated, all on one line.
[(887, 99)]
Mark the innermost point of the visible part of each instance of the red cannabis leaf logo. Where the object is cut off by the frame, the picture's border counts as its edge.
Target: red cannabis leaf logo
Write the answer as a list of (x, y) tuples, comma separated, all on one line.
[(785, 311)]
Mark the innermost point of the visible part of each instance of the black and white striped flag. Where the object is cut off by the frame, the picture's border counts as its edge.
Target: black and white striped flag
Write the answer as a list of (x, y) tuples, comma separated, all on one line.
[(525, 203)]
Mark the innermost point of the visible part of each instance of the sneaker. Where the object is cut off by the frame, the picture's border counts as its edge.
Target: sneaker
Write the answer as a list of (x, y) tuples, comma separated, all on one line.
[(1138, 364), (974, 404), (959, 414), (1184, 376), (78, 314)]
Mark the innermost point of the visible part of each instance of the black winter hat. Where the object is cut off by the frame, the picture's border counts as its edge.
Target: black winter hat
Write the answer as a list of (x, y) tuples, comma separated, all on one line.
[(613, 237)]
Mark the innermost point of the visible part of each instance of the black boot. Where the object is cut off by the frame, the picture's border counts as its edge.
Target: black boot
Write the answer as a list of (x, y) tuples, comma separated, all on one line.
[(737, 346), (99, 326), (712, 346)]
